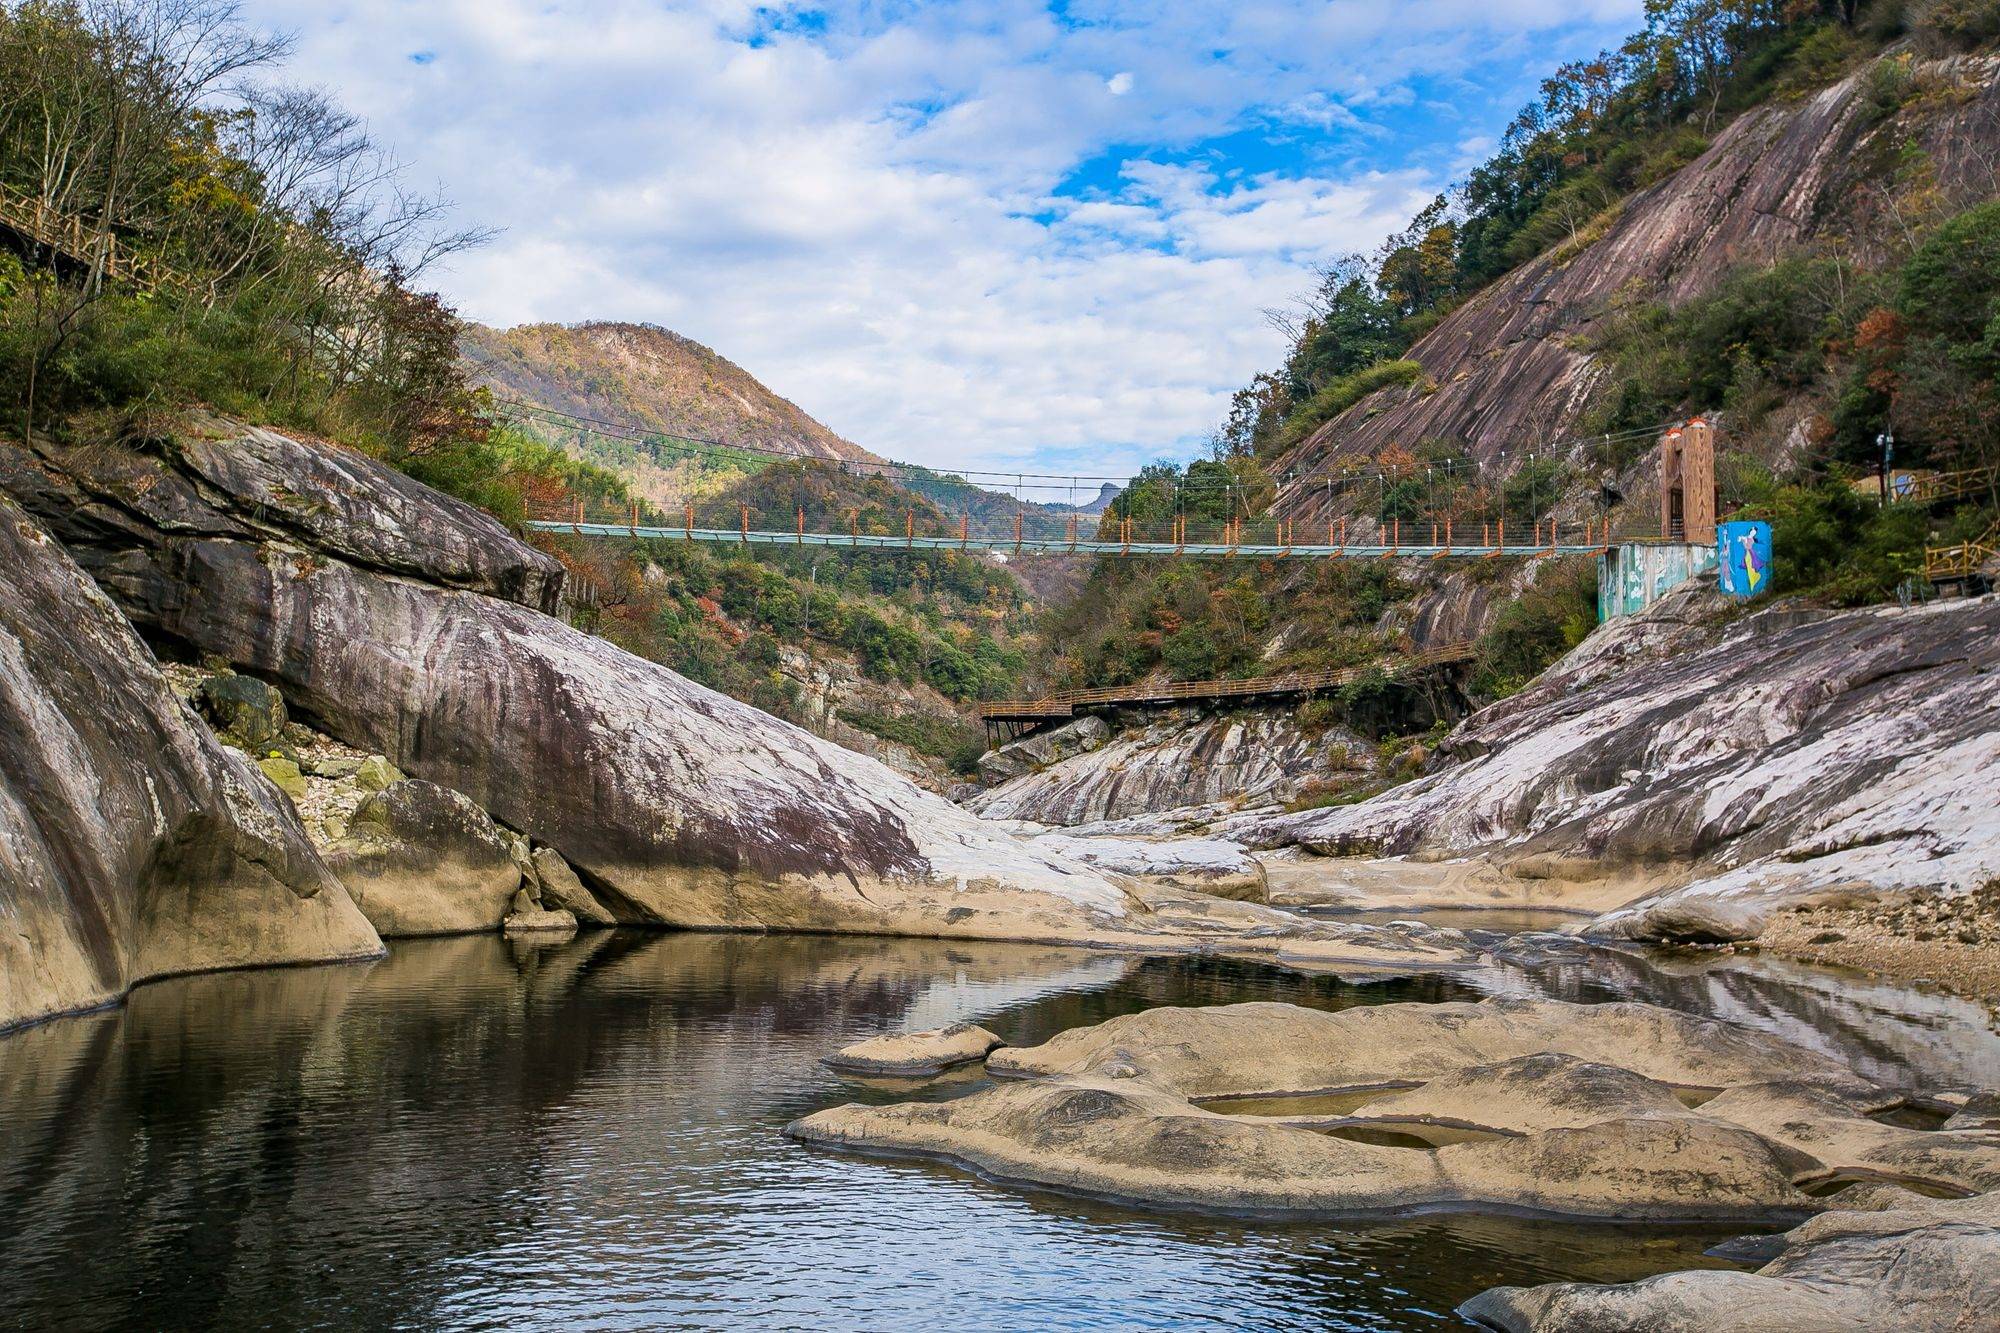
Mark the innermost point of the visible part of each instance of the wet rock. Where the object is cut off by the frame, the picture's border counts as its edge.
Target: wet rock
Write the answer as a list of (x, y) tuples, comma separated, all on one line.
[(245, 710), (420, 859), (539, 921), (133, 844), (915, 1053), (1928, 1266)]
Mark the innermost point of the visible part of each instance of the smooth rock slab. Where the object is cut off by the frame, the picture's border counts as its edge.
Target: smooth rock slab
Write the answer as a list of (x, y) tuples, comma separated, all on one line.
[(915, 1053)]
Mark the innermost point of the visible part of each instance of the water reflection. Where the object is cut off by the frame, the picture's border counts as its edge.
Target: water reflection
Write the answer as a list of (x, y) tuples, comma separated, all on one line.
[(476, 1132)]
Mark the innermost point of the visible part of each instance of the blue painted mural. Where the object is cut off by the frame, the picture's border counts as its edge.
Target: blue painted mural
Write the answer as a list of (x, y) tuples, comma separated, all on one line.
[(1743, 558)]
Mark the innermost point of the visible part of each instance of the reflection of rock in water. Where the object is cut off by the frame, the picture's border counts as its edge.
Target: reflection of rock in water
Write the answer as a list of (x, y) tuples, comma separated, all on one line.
[(1889, 1033)]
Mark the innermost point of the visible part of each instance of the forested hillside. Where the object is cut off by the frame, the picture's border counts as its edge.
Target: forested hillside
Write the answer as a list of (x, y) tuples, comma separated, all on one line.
[(677, 411)]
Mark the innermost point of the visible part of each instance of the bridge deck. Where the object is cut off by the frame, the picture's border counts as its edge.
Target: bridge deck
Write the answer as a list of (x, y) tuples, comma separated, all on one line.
[(1060, 545)]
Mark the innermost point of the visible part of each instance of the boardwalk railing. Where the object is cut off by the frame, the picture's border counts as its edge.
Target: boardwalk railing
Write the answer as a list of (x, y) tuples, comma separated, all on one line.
[(1067, 702), (69, 236)]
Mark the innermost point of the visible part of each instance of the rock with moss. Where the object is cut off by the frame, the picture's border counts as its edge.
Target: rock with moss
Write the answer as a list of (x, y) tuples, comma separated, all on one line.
[(376, 773), (244, 710), (284, 775)]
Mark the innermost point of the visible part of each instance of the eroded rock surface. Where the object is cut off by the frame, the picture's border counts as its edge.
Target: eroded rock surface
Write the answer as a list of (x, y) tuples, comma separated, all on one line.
[(1516, 360), (914, 1053), (132, 843), (1749, 764), (1088, 772), (1583, 1110)]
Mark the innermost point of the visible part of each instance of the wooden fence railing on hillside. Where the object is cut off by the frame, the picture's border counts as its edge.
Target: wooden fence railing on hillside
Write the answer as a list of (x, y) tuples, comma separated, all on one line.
[(1065, 703), (74, 239)]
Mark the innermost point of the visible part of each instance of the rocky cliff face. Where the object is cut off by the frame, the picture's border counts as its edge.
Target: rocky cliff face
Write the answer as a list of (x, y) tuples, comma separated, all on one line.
[(426, 641), (132, 843), (1089, 771), (1513, 366), (1740, 764)]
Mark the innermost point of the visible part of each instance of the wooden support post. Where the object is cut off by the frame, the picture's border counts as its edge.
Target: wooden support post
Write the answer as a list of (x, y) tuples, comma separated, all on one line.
[(1343, 536), (964, 530), (1017, 532), (802, 525), (687, 520), (576, 524), (743, 515), (909, 528), (1124, 536), (634, 524), (1072, 534)]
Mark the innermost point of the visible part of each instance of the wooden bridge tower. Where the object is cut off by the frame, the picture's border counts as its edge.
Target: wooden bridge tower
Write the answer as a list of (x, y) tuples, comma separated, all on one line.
[(1687, 483)]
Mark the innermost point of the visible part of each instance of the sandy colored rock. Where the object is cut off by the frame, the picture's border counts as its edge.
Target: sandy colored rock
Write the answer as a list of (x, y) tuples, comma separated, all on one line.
[(539, 921), (133, 844), (562, 889), (908, 1054), (1268, 1050), (420, 859), (1552, 1108), (1928, 1266), (1130, 1139)]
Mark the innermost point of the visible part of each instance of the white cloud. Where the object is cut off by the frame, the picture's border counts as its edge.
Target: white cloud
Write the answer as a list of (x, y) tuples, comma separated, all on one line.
[(864, 205)]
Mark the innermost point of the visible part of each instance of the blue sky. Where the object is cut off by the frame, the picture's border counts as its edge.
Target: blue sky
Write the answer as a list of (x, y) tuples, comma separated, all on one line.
[(1010, 235)]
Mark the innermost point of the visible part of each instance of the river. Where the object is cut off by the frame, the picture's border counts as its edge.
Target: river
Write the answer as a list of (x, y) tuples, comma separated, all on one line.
[(475, 1132)]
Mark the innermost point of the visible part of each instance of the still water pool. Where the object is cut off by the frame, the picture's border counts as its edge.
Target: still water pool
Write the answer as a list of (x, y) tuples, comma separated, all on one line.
[(478, 1133)]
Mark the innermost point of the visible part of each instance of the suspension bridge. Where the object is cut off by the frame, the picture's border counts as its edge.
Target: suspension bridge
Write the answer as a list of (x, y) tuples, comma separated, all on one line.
[(1277, 539)]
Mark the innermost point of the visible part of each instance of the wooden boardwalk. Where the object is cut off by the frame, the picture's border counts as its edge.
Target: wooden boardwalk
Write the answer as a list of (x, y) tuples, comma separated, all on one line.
[(69, 236), (1022, 714)]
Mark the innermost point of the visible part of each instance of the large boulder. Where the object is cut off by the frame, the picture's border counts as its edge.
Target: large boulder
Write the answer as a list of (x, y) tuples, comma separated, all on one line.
[(420, 859), (132, 843)]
